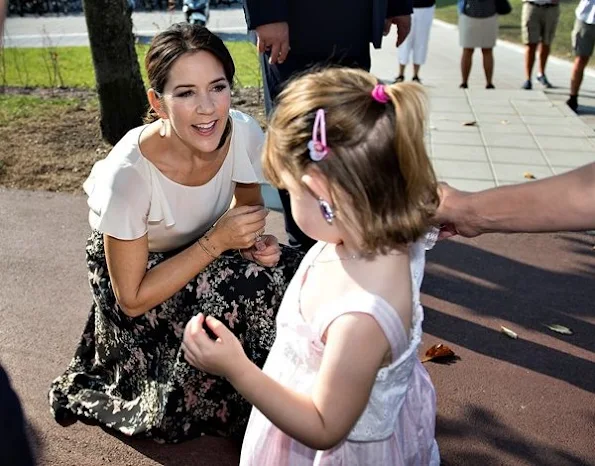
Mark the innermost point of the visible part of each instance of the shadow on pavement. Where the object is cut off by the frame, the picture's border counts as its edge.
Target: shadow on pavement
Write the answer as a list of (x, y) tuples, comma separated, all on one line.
[(480, 424)]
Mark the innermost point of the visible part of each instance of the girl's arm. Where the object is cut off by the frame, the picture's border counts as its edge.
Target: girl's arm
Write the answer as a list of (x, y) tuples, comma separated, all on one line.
[(354, 350)]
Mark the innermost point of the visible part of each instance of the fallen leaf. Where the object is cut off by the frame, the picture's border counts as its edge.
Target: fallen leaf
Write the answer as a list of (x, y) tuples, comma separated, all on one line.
[(438, 352), (529, 176), (559, 329), (504, 122), (508, 332), (470, 123)]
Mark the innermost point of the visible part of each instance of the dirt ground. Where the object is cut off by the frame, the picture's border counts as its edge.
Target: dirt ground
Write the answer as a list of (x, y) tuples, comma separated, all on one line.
[(54, 150)]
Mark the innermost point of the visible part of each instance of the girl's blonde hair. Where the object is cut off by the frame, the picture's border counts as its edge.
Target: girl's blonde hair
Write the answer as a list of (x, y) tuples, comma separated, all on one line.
[(377, 168)]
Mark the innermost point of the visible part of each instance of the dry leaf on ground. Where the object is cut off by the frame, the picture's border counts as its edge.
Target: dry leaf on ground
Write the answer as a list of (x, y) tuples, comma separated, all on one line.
[(439, 352), (529, 176), (508, 332), (559, 329)]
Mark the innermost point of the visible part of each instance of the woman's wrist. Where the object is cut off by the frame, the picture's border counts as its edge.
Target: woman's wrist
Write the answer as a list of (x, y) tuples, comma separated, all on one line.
[(211, 244)]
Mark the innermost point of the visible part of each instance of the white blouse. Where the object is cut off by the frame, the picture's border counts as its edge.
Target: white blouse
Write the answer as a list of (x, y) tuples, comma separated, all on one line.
[(129, 197)]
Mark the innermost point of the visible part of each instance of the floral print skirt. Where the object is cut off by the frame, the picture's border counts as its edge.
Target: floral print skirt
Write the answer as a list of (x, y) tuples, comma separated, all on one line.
[(130, 374)]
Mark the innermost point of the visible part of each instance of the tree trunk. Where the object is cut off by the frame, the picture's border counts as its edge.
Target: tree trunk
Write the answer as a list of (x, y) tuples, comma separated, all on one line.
[(122, 97)]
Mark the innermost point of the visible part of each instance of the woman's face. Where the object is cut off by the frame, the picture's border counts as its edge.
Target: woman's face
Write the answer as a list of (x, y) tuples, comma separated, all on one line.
[(196, 99)]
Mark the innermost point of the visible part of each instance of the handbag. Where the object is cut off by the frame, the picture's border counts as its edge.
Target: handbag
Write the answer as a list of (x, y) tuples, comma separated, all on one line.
[(503, 7)]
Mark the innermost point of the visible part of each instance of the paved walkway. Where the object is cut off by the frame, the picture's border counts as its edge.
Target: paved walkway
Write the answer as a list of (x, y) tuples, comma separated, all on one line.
[(484, 138), (528, 401), (31, 31)]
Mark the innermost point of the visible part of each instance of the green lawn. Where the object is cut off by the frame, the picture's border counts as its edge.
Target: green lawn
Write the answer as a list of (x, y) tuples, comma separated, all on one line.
[(73, 67), (15, 107), (510, 25)]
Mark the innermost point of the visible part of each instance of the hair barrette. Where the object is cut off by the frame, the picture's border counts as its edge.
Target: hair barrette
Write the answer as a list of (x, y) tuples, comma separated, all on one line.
[(317, 146), (379, 94)]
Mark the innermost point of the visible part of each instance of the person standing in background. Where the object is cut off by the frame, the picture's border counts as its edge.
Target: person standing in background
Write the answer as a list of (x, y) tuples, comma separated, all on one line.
[(583, 42), (478, 28), (415, 46), (294, 36), (539, 21)]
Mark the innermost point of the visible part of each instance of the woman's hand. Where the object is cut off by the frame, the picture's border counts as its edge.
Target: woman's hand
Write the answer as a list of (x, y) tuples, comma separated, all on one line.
[(265, 252), (223, 356), (239, 227)]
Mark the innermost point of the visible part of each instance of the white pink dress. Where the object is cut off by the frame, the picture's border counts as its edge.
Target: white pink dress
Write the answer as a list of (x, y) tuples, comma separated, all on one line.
[(397, 426)]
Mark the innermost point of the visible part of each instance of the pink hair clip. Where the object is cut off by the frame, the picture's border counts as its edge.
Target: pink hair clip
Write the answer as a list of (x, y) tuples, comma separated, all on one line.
[(317, 147), (379, 94)]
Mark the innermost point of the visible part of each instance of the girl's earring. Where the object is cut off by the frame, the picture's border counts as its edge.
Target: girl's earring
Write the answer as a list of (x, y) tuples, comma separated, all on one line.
[(163, 129), (327, 211)]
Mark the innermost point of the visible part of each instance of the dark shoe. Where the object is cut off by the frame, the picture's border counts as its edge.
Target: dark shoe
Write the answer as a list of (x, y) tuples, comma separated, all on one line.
[(416, 79), (572, 102), (400, 79), (463, 86), (527, 85), (544, 82), (490, 86)]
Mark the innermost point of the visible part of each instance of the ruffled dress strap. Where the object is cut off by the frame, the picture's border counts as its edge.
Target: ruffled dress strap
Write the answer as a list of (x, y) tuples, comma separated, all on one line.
[(367, 303)]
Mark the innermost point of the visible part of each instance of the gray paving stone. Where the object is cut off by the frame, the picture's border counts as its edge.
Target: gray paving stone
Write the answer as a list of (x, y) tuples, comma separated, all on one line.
[(520, 156), (567, 144), (453, 137), (470, 185), (569, 158), (463, 169), (509, 172), (460, 153), (515, 141)]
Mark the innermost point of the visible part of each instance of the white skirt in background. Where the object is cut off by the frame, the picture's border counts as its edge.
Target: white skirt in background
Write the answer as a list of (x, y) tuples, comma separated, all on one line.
[(416, 44), (478, 32)]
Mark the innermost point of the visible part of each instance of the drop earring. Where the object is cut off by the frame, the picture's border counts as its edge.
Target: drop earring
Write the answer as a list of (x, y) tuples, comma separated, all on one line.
[(163, 129), (327, 211)]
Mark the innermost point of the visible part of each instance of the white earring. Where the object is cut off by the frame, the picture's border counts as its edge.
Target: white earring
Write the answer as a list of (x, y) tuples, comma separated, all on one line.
[(163, 129)]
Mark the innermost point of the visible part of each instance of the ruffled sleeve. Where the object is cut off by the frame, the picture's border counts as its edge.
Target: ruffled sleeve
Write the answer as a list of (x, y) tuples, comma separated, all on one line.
[(247, 149), (118, 199)]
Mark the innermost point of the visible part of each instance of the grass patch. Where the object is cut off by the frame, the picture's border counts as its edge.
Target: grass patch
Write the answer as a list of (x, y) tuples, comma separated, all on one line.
[(73, 66), (510, 25), (23, 107)]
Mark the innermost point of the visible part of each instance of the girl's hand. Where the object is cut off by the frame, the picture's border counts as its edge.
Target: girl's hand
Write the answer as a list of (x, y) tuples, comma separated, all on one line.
[(223, 356), (265, 252), (239, 227)]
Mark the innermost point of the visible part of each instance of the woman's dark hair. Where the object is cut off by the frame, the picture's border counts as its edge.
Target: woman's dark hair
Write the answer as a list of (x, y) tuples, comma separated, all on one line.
[(177, 40)]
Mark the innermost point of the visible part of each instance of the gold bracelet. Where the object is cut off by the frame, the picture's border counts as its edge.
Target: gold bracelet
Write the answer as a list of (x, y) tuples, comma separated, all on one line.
[(202, 246)]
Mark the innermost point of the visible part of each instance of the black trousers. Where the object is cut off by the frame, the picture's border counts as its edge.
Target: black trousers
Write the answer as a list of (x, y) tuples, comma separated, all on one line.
[(275, 77), (14, 445)]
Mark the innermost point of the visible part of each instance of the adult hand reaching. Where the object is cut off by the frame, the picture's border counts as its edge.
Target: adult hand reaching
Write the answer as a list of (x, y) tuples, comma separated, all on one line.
[(451, 214), (273, 37), (403, 24)]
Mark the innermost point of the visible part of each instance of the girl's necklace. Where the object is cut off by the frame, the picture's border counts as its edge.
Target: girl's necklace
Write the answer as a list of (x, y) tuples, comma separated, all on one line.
[(347, 258)]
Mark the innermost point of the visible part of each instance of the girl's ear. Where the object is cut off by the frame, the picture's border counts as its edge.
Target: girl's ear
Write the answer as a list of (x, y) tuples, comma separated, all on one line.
[(156, 104), (317, 183)]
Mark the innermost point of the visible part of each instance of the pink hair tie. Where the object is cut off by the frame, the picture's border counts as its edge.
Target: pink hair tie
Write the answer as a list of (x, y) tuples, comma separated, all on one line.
[(379, 94), (317, 146)]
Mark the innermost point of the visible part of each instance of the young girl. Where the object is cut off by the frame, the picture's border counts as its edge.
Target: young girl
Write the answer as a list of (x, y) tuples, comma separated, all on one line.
[(342, 384)]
